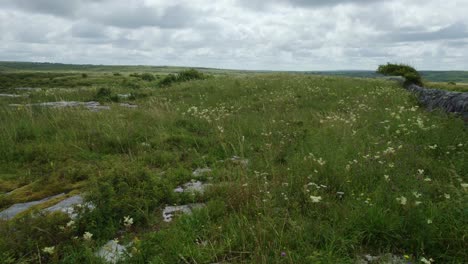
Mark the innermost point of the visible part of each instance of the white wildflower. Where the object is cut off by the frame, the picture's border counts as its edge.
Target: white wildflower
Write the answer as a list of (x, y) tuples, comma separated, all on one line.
[(426, 261), (316, 199), (429, 221), (71, 223), (87, 235), (49, 250), (128, 221), (402, 200), (447, 196), (417, 195)]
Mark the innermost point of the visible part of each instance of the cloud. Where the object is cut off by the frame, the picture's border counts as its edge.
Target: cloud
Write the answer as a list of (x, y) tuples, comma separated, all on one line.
[(246, 34), (53, 7), (454, 31)]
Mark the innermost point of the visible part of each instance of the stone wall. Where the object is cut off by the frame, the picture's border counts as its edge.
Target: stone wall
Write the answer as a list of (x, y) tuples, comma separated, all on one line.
[(452, 102)]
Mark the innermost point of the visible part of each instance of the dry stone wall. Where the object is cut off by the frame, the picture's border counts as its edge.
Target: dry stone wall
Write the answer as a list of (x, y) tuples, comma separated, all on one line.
[(452, 102)]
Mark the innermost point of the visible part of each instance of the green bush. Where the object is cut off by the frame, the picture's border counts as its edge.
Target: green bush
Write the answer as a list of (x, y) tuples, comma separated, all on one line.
[(147, 77), (122, 192), (105, 95), (183, 76), (409, 73)]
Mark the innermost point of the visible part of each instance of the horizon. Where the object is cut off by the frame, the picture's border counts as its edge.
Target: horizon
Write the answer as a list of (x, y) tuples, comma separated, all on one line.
[(210, 68)]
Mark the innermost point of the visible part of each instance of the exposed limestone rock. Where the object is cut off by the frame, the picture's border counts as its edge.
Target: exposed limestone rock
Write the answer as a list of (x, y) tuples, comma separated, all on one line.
[(15, 209), (169, 211), (68, 206), (201, 172), (192, 187), (92, 106), (112, 252)]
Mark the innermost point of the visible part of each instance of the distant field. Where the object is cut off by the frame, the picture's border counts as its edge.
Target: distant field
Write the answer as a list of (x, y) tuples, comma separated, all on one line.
[(458, 87), (431, 76), (298, 169)]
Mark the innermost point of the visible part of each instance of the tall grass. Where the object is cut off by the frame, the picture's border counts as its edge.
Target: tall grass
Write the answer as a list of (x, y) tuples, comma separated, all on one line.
[(338, 168)]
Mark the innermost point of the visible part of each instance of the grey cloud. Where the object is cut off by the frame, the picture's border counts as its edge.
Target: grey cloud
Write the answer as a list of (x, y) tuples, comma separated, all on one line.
[(62, 8), (175, 16), (454, 31), (261, 4)]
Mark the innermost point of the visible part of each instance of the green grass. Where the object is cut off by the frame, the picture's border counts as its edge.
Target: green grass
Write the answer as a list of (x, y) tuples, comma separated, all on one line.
[(456, 87), (304, 136)]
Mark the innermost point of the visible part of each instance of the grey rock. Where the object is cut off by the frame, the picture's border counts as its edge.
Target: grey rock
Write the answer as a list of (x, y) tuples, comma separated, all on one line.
[(452, 102), (28, 89), (15, 209), (192, 187), (169, 211), (124, 96), (382, 259), (128, 105), (201, 172), (68, 206), (92, 106), (239, 161), (112, 252), (12, 95)]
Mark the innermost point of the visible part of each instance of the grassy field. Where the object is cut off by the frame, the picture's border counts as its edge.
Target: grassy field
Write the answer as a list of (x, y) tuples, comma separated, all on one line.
[(329, 169), (456, 87)]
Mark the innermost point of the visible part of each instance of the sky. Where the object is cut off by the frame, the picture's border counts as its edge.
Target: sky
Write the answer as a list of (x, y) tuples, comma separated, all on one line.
[(295, 35)]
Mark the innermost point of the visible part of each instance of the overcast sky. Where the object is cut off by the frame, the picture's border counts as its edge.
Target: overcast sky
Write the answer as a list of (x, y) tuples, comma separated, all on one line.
[(240, 34)]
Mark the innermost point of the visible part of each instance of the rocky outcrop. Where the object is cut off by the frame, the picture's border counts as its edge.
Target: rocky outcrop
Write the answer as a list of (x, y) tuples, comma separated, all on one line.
[(451, 102)]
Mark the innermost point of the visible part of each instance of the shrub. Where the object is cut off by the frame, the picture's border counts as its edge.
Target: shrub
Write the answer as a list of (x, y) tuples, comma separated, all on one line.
[(105, 95), (183, 76), (147, 77), (122, 192), (409, 73), (117, 74), (84, 75)]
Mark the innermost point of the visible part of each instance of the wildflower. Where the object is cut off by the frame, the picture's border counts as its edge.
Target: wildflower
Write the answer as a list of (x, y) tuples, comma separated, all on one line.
[(426, 261), (447, 196), (387, 178), (464, 185), (417, 203), (128, 221), (429, 221), (315, 199), (321, 162), (406, 256), (87, 235), (417, 195), (71, 223), (421, 171), (283, 254), (49, 250), (427, 179), (402, 200), (433, 147)]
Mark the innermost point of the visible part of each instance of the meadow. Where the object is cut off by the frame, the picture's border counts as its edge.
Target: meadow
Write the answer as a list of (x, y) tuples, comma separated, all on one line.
[(298, 169)]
